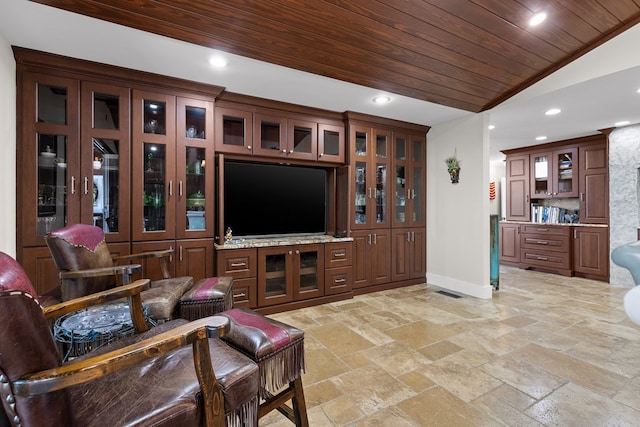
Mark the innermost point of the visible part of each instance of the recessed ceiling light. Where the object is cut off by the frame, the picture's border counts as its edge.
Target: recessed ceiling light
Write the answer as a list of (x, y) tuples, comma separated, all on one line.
[(217, 62), (382, 99), (491, 127), (537, 19), (638, 91), (540, 138), (552, 111), (622, 123)]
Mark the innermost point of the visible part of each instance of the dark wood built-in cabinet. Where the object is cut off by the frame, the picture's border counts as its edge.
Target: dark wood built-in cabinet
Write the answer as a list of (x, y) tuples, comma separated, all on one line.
[(142, 156), (566, 173), (115, 148), (387, 200)]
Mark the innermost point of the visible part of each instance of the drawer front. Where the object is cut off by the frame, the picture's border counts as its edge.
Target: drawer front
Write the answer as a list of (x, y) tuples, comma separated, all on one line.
[(546, 229), (239, 263), (338, 254), (552, 242), (338, 280), (542, 258), (245, 293)]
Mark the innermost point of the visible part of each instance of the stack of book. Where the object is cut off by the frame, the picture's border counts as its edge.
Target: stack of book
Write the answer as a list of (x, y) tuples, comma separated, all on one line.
[(549, 214)]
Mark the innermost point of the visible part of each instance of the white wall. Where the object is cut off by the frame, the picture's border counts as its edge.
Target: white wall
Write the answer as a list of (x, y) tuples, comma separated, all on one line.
[(458, 214), (7, 149)]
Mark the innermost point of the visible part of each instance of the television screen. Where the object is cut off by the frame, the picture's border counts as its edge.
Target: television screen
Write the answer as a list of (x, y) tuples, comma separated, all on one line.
[(272, 199)]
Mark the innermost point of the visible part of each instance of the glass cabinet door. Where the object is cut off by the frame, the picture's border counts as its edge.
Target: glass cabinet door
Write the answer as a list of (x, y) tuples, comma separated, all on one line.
[(400, 181), (330, 143), (381, 180), (275, 266), (270, 136), (52, 179), (541, 184), (155, 187), (360, 210), (302, 138), (309, 272), (49, 192), (418, 178), (233, 131), (360, 191), (195, 168), (565, 164), (153, 166), (106, 116)]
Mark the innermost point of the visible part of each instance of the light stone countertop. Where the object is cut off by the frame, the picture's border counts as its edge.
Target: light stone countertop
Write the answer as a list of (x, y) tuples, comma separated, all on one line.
[(576, 224), (241, 243)]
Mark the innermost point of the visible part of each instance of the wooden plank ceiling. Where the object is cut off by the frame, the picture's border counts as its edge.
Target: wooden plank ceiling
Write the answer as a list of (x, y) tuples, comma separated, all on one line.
[(466, 54)]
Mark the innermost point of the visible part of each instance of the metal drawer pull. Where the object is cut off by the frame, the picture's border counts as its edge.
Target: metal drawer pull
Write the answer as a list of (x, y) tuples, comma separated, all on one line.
[(543, 229), (238, 264), (543, 258), (339, 280), (242, 295), (339, 255), (542, 242)]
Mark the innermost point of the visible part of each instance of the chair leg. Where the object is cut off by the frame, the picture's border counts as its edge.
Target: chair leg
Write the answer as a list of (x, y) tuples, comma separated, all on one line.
[(295, 393), (299, 405)]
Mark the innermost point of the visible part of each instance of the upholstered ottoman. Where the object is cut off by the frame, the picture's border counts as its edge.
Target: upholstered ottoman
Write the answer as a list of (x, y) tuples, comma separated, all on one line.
[(278, 349), (206, 298)]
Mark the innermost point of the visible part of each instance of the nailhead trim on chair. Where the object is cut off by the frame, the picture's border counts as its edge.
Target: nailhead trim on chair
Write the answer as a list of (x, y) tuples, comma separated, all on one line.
[(8, 401)]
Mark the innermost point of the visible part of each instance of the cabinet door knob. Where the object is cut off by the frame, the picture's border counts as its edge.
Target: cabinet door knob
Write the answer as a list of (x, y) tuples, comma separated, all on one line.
[(321, 154), (248, 147), (284, 150), (290, 151)]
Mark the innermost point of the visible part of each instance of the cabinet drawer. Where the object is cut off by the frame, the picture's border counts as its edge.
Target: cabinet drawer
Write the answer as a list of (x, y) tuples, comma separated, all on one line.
[(550, 242), (338, 280), (546, 259), (338, 254), (545, 229), (245, 293), (237, 263)]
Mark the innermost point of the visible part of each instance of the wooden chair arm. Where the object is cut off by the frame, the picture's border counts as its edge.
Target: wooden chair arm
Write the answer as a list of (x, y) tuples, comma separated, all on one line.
[(126, 271), (99, 366), (131, 291), (142, 255), (162, 256)]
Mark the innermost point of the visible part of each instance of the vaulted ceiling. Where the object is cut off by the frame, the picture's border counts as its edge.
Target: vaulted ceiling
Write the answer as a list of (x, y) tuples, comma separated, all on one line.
[(466, 54)]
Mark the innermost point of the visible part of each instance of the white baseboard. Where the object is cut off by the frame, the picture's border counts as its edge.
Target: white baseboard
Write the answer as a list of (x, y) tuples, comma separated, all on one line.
[(455, 285)]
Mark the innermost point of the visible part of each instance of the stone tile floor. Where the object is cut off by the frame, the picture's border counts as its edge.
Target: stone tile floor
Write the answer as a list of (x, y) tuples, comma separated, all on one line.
[(547, 350)]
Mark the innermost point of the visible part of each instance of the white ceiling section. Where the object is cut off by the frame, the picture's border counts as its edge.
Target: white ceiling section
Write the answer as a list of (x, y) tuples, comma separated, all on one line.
[(593, 92)]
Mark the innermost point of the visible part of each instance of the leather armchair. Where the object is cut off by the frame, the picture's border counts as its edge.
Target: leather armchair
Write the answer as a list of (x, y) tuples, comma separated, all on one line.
[(165, 376), (86, 266)]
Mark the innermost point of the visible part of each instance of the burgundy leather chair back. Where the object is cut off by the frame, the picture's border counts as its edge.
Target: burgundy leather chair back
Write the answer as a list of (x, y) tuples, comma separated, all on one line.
[(80, 247), (26, 346)]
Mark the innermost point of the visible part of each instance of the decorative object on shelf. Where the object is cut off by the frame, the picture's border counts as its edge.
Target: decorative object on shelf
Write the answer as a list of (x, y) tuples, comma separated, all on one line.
[(196, 201), (492, 190), (453, 167), (192, 132), (97, 163), (228, 235)]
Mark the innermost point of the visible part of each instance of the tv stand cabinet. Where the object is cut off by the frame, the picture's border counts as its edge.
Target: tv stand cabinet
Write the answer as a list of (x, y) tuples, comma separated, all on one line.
[(278, 274)]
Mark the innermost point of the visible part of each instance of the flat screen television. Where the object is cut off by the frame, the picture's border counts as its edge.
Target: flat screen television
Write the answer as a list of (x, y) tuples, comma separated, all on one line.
[(273, 199)]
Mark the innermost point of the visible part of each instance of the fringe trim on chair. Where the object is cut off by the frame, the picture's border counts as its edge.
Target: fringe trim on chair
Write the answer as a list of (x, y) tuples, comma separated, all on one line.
[(193, 310), (280, 368), (245, 415)]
